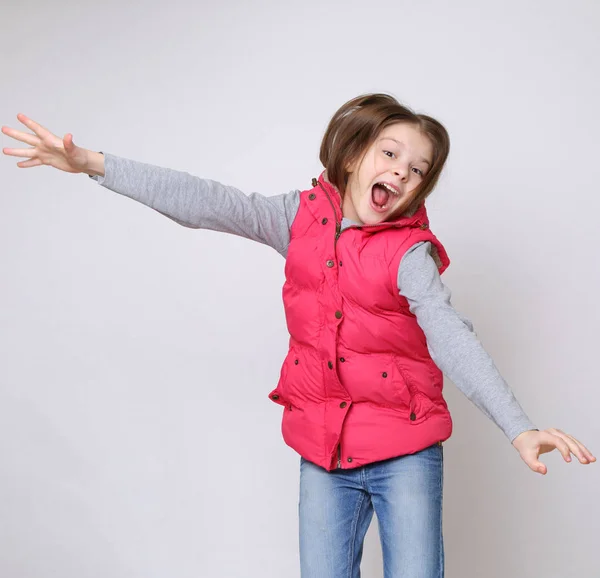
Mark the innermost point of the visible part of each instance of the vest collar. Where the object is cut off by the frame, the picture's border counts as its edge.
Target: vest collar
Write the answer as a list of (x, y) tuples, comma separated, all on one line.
[(418, 219)]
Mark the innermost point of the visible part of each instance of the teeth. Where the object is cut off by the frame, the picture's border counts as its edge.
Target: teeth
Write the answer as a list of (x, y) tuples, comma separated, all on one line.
[(391, 189)]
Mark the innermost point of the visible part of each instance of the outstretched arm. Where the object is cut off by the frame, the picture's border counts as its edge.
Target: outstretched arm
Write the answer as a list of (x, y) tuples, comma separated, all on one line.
[(188, 200), (203, 203), (455, 349)]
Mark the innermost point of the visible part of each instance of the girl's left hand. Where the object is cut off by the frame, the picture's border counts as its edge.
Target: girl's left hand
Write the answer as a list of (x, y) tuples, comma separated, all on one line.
[(531, 444)]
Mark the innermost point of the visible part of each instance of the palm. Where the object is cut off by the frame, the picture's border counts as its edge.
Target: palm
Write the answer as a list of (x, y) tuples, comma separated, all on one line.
[(47, 148)]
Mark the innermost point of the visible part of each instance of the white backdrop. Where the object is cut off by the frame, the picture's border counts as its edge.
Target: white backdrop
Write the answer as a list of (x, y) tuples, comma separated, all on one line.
[(136, 436)]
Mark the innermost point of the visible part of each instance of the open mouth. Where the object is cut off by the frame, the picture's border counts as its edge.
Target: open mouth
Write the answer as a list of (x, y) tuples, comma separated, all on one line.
[(382, 196)]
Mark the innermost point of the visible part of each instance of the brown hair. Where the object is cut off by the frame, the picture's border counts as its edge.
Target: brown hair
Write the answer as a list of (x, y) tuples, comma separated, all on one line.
[(356, 125)]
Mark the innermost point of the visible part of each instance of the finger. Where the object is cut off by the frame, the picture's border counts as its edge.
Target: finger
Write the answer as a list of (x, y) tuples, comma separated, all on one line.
[(575, 447), (19, 152), (25, 137), (588, 454), (29, 163), (530, 457), (563, 447), (68, 142), (578, 450), (35, 127), (537, 467)]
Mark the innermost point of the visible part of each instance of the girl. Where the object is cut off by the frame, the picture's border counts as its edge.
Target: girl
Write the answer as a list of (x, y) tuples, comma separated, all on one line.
[(371, 327)]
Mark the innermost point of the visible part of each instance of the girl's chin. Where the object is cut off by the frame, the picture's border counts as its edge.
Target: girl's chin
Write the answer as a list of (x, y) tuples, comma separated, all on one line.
[(374, 214), (372, 218)]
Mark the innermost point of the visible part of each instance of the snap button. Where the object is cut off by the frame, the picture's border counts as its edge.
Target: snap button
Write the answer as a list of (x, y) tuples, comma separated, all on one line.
[(413, 417), (342, 359), (275, 397), (324, 221), (384, 374), (330, 263), (314, 182), (338, 314), (349, 459), (330, 365), (312, 196), (343, 404), (296, 362), (340, 263)]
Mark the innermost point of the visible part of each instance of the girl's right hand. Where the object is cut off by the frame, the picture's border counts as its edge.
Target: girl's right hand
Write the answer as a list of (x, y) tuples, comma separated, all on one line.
[(48, 149)]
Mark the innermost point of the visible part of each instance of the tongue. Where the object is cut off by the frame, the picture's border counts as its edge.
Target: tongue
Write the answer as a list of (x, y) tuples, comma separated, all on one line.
[(380, 195)]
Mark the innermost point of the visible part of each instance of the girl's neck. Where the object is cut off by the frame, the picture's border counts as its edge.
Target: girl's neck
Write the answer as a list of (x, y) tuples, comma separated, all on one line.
[(352, 219)]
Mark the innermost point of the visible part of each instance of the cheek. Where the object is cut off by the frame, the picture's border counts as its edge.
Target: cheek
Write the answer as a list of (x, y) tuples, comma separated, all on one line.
[(366, 195), (414, 185), (359, 191)]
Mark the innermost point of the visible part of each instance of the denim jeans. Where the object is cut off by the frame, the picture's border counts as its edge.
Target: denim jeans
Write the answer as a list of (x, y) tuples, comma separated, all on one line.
[(336, 509)]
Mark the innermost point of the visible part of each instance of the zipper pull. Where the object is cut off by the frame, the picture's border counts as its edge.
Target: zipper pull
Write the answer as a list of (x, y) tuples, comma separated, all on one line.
[(338, 230)]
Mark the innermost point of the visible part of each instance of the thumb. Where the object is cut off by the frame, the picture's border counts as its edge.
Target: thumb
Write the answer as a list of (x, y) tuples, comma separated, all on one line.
[(530, 457), (68, 142)]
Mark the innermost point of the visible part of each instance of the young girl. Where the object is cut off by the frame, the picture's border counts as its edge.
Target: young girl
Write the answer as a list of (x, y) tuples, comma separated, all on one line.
[(371, 327)]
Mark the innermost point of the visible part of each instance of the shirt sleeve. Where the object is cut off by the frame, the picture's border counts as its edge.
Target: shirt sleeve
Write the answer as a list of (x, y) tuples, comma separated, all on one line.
[(201, 203), (453, 344)]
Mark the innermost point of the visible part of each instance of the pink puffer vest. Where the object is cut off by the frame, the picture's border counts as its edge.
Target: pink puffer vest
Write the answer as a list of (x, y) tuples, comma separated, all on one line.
[(358, 384)]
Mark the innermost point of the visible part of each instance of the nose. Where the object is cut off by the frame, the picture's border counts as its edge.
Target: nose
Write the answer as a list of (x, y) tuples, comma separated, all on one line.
[(402, 172)]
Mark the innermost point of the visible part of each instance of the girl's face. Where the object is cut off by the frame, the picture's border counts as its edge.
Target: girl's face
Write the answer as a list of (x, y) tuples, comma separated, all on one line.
[(399, 157)]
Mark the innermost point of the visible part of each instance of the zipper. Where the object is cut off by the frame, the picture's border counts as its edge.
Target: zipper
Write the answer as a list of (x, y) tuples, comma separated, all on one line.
[(338, 232), (338, 223)]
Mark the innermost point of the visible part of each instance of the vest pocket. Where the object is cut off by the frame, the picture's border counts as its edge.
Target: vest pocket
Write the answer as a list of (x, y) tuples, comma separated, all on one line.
[(281, 399), (373, 378), (301, 377), (420, 403), (401, 396), (422, 406)]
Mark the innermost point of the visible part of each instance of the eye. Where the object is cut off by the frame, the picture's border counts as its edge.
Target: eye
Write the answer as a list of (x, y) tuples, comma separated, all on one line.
[(390, 154)]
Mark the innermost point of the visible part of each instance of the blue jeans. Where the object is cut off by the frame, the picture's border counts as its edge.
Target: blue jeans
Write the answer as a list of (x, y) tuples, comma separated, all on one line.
[(336, 509)]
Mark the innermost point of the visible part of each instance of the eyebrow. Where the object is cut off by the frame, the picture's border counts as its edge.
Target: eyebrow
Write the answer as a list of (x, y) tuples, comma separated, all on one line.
[(391, 138)]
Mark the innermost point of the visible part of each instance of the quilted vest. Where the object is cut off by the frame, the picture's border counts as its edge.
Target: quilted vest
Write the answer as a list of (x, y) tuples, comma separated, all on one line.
[(358, 384)]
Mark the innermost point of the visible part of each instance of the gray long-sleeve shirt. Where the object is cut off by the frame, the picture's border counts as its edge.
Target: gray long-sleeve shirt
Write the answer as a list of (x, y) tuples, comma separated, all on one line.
[(203, 203)]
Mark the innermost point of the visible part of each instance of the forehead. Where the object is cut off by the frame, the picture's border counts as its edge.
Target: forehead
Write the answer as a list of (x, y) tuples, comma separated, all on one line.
[(408, 135)]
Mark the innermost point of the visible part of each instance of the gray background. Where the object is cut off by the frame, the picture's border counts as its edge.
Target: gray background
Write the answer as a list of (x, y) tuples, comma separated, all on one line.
[(136, 436)]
